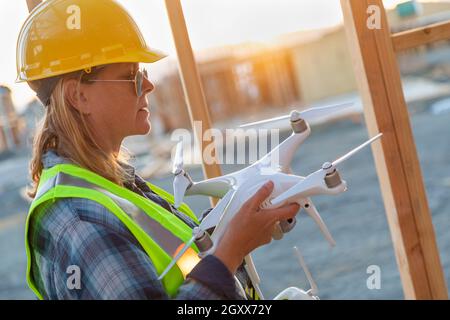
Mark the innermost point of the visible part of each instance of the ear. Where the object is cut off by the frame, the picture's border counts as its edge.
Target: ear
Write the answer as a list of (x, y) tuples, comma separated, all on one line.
[(76, 96)]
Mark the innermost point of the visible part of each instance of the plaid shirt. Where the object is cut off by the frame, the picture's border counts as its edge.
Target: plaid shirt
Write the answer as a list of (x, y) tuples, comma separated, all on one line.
[(113, 265)]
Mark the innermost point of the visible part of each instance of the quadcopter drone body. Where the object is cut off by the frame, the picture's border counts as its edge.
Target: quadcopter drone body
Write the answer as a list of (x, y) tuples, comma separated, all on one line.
[(236, 188)]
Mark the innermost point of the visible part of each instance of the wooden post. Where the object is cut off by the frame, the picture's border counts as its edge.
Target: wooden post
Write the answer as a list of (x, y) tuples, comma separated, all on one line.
[(396, 158), (32, 4), (198, 109)]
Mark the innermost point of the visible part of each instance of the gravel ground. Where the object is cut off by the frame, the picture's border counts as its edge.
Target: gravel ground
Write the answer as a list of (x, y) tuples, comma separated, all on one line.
[(356, 218)]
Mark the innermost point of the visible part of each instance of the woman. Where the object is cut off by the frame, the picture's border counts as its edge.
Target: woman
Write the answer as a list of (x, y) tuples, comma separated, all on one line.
[(95, 229)]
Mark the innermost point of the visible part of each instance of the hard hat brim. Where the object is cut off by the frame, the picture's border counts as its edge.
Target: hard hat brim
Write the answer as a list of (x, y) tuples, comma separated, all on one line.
[(149, 55)]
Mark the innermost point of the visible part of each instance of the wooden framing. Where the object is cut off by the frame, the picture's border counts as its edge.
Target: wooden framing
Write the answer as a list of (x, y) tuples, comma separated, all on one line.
[(420, 36), (396, 159), (195, 98)]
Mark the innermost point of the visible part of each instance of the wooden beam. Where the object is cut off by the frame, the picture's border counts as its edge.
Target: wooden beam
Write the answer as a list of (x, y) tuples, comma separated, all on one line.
[(420, 36), (396, 157), (195, 98), (32, 4)]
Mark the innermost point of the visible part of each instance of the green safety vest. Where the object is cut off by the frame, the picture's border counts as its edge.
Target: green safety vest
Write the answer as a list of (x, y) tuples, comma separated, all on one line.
[(159, 232)]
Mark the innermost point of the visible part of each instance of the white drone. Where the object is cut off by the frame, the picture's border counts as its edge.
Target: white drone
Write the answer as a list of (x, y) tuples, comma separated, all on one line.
[(236, 188)]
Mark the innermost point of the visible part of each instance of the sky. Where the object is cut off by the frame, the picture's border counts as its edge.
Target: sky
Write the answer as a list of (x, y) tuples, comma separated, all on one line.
[(210, 23)]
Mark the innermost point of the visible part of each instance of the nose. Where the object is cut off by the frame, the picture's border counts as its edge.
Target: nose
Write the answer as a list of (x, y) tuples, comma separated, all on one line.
[(147, 87)]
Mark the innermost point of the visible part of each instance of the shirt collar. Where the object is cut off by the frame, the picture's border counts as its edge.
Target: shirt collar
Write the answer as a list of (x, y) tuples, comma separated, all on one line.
[(131, 172), (51, 159)]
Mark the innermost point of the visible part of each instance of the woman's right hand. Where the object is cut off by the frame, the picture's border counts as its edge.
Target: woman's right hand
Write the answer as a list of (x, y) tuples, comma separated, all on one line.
[(251, 227)]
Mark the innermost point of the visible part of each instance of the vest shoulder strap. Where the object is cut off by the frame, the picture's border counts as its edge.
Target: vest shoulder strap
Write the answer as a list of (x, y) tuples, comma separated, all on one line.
[(160, 233)]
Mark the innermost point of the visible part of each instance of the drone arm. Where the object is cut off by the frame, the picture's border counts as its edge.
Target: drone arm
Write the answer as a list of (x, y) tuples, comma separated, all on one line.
[(312, 184), (213, 217), (216, 187), (283, 154)]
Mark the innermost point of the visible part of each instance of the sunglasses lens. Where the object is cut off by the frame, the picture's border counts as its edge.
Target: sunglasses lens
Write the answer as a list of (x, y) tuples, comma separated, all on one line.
[(139, 82)]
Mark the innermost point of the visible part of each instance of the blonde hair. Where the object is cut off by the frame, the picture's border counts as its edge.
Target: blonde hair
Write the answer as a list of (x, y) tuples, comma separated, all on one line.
[(65, 130)]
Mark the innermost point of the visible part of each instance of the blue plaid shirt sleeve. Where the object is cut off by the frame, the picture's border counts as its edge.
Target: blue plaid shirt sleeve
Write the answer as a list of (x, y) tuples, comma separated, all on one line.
[(82, 234)]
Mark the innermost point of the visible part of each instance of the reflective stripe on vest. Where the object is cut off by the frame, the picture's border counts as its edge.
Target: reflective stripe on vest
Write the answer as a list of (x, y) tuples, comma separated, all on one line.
[(159, 231), (164, 238)]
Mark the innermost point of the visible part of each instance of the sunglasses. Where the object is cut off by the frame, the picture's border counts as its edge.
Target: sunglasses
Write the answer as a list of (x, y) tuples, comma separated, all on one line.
[(138, 81)]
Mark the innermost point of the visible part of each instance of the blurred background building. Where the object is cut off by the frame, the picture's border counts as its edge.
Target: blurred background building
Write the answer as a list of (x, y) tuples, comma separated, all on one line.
[(31, 115), (10, 123), (297, 69)]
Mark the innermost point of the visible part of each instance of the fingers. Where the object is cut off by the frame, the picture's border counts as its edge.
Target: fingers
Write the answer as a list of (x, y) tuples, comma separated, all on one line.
[(284, 213), (258, 198)]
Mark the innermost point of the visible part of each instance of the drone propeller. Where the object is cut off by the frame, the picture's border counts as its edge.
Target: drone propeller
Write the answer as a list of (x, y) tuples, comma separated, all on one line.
[(356, 150), (181, 182), (308, 182), (307, 115), (211, 220), (180, 185), (197, 233), (178, 159)]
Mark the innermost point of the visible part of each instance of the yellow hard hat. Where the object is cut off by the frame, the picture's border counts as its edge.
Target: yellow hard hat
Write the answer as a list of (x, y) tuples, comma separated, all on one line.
[(62, 36)]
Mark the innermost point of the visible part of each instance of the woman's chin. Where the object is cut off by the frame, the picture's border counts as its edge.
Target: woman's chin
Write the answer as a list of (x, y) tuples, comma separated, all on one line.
[(147, 129), (143, 128)]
